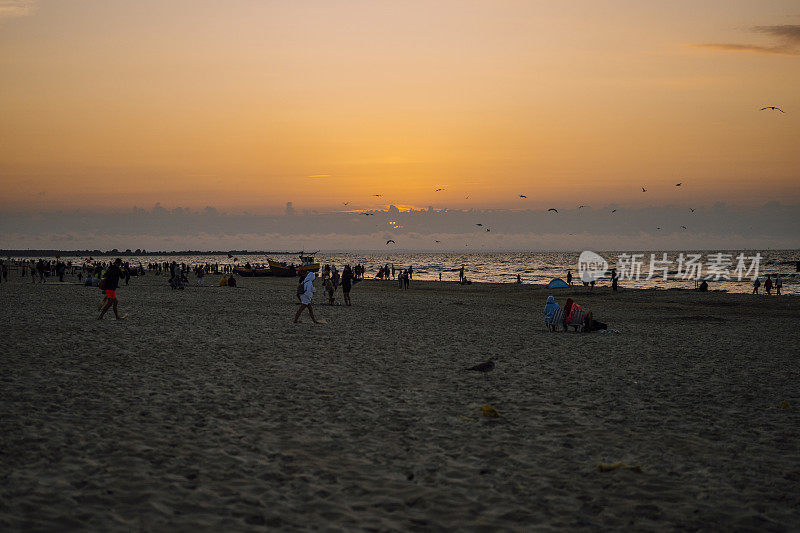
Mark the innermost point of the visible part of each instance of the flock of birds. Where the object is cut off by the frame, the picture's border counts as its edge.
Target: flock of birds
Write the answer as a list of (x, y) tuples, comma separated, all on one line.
[(553, 209)]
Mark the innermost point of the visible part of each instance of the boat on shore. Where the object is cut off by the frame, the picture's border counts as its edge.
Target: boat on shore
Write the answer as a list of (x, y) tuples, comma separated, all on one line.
[(307, 264), (254, 271)]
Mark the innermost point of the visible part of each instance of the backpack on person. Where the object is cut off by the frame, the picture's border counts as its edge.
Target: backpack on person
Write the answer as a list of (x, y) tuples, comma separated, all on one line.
[(301, 287)]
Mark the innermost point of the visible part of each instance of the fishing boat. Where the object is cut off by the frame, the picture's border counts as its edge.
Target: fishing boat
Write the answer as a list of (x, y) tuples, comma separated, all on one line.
[(306, 265), (254, 271)]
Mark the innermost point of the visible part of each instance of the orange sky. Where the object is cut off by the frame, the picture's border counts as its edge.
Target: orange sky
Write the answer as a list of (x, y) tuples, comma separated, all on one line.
[(235, 104)]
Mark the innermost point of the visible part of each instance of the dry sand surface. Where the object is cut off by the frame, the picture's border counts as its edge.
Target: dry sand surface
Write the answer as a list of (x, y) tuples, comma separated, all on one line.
[(209, 410)]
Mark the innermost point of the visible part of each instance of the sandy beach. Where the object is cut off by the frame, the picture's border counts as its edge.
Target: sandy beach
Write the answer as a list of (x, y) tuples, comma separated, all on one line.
[(207, 409)]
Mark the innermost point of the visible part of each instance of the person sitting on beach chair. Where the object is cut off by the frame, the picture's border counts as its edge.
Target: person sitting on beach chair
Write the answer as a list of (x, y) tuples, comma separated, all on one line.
[(573, 314), (550, 309)]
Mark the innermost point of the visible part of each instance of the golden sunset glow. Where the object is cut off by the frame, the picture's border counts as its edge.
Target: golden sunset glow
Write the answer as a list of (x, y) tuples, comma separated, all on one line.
[(248, 105)]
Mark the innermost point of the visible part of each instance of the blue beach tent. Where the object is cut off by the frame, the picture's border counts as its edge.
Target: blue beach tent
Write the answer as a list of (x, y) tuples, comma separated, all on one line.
[(557, 283)]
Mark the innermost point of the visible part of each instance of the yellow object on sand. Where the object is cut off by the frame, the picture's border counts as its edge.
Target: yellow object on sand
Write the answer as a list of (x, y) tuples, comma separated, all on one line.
[(785, 405), (490, 411), (223, 282)]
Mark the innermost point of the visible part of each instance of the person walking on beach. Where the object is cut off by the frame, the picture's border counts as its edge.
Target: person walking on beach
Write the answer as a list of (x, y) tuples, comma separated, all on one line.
[(110, 284), (347, 283), (756, 285), (392, 270), (400, 279), (406, 278), (410, 271), (461, 274), (768, 285), (614, 280), (778, 285), (569, 278), (306, 297)]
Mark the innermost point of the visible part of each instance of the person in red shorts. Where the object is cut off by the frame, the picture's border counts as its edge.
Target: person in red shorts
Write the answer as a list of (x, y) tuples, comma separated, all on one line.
[(110, 284)]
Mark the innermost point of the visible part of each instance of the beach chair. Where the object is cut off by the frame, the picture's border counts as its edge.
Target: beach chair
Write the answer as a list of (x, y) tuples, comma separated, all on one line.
[(557, 320), (576, 319)]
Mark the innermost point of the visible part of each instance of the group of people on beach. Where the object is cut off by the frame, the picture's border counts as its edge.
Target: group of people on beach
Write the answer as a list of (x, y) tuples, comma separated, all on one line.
[(768, 285), (572, 315), (331, 281)]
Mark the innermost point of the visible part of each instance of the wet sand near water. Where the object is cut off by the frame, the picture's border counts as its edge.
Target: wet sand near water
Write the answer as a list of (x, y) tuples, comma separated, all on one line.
[(207, 409)]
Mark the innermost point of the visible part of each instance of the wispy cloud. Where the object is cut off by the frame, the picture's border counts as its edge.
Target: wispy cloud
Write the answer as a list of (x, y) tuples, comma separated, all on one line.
[(787, 35), (16, 8), (319, 176)]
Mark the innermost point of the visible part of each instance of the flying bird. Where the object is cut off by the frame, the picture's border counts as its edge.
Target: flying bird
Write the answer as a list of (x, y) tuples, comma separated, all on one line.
[(692, 210), (613, 210), (390, 240), (522, 196), (581, 206), (368, 214), (684, 227), (553, 209), (658, 228), (773, 108), (437, 241), (644, 190), (437, 190), (487, 366), (377, 195), (479, 224), (345, 203), (488, 229), (679, 184)]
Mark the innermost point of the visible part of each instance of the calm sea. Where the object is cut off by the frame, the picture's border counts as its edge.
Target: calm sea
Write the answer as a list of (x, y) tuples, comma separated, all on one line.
[(533, 267)]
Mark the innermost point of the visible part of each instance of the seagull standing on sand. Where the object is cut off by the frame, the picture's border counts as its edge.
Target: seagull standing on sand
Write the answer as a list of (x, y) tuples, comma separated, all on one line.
[(487, 366), (773, 108)]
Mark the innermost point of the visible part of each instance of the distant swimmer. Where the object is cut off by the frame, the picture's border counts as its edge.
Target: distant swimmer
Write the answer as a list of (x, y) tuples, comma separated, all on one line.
[(368, 214), (487, 366), (553, 209), (390, 241), (773, 108), (522, 196)]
